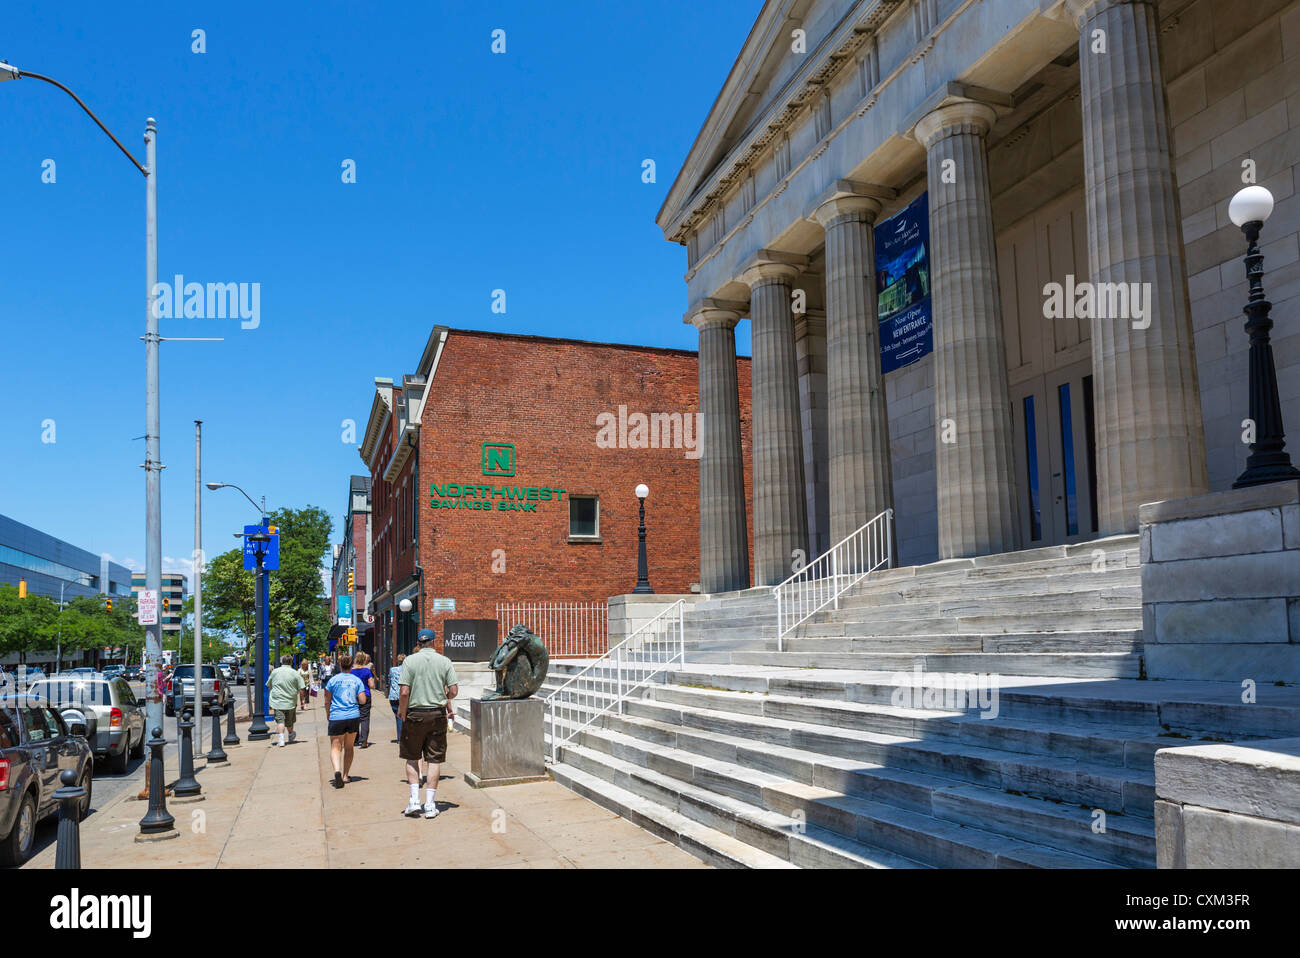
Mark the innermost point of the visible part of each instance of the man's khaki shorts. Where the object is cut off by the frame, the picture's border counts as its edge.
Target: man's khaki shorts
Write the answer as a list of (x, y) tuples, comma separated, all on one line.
[(285, 717), (424, 735)]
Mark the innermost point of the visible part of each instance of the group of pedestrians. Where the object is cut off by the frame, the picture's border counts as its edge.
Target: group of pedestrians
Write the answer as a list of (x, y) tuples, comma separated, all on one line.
[(420, 689)]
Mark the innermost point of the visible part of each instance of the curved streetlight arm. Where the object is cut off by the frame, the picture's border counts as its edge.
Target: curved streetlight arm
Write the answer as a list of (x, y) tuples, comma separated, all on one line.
[(230, 485), (36, 76)]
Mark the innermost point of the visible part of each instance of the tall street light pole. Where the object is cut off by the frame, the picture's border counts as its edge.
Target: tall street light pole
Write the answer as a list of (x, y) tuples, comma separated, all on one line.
[(152, 464), (258, 730), (261, 589)]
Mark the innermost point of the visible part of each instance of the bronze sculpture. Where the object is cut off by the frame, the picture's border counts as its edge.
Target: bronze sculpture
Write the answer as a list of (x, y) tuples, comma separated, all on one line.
[(520, 664)]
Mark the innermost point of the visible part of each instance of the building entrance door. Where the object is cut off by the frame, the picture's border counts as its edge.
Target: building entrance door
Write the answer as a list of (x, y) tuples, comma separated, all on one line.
[(1056, 457)]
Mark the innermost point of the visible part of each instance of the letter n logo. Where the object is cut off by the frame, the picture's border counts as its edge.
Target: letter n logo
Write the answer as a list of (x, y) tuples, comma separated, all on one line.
[(498, 459)]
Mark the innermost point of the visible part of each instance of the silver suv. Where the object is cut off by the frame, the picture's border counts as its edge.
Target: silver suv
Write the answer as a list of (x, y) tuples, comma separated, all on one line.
[(115, 719), (182, 687)]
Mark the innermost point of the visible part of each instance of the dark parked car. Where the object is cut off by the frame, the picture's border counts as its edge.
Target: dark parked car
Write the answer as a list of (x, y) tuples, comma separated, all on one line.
[(36, 745), (115, 719), (133, 673)]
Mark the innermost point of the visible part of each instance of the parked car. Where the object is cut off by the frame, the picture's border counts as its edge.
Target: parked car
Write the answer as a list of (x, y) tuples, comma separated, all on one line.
[(115, 719), (133, 673), (36, 745), (114, 671), (213, 689)]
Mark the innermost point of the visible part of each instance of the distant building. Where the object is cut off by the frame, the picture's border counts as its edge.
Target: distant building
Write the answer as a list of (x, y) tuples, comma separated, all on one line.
[(56, 568), (351, 557), (175, 589)]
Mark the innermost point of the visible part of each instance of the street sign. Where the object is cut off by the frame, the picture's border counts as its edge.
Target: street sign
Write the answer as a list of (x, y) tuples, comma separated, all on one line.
[(147, 607), (444, 605), (272, 561), (343, 621)]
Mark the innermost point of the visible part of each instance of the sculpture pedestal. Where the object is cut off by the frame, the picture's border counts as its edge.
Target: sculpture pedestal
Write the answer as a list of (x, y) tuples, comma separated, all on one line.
[(506, 742)]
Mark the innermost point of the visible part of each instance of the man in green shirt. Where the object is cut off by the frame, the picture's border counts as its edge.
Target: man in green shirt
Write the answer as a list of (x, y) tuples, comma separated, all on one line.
[(428, 685), (285, 682)]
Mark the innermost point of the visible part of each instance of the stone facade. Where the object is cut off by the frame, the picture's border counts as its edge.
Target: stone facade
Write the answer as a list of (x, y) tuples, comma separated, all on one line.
[(1178, 97), (1221, 586)]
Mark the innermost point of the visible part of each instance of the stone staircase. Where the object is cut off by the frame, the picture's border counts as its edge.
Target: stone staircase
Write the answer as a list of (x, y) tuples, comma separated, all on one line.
[(876, 739)]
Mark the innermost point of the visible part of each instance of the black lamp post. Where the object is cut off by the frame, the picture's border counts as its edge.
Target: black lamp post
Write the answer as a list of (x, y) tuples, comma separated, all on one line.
[(258, 730), (642, 567), (1268, 460)]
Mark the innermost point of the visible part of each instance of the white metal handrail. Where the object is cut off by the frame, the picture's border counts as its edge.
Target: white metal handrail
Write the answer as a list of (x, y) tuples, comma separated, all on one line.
[(821, 582), (606, 683)]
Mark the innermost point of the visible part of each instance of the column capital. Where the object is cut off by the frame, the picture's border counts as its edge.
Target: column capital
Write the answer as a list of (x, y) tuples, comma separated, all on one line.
[(850, 196), (711, 313), (961, 116), (770, 265), (1080, 12)]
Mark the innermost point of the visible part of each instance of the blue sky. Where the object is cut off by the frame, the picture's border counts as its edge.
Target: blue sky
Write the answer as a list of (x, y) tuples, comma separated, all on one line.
[(474, 171)]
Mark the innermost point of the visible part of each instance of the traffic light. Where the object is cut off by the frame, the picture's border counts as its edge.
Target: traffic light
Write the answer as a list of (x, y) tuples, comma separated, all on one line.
[(108, 606), (352, 636), (166, 603), (352, 582), (22, 588)]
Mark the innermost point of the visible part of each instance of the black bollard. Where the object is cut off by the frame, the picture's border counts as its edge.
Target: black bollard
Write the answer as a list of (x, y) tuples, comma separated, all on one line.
[(68, 852), (187, 786), (157, 820), (216, 754), (231, 737)]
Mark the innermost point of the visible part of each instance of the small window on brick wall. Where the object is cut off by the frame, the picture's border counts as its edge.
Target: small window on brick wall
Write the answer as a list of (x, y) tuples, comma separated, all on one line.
[(584, 517)]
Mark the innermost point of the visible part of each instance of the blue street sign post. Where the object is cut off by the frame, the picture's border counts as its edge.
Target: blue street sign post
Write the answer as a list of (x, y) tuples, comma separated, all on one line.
[(270, 563)]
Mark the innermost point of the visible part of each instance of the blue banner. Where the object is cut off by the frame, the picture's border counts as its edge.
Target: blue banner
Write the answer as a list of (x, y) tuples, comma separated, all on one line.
[(903, 286)]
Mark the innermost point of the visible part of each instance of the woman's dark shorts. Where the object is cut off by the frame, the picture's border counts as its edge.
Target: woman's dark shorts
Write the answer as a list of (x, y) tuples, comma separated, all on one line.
[(344, 726)]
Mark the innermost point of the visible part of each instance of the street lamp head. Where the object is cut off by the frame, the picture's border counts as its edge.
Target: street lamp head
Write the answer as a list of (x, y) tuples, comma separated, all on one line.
[(642, 491), (216, 485), (405, 605), (8, 72), (1254, 204)]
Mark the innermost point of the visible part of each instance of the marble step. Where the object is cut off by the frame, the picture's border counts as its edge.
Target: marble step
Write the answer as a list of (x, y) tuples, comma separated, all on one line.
[(749, 778), (790, 840), (1082, 665), (707, 844), (1080, 620), (871, 593), (1061, 602), (1095, 785), (882, 837)]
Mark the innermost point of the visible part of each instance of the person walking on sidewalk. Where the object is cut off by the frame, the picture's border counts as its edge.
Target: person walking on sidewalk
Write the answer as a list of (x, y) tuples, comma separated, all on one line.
[(428, 684), (395, 690), (344, 694), (361, 669), (304, 671), (284, 682)]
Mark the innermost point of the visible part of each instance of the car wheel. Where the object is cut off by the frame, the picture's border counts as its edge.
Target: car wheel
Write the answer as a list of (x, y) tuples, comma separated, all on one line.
[(16, 847), (138, 750), (117, 763), (87, 782)]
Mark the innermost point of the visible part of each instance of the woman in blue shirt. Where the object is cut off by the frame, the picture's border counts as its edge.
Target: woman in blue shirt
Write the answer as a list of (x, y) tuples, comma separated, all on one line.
[(395, 691), (344, 695)]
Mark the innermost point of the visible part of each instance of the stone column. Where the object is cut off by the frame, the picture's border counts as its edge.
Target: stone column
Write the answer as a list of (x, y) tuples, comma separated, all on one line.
[(780, 512), (810, 353), (857, 422), (975, 464), (724, 542), (1150, 440)]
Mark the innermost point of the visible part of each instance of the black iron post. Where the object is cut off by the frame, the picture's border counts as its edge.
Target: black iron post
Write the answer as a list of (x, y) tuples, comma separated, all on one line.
[(157, 819), (1268, 460), (642, 567), (68, 852), (216, 754), (187, 786), (232, 737)]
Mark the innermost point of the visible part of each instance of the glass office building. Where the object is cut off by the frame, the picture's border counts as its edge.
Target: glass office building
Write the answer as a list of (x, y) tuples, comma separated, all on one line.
[(51, 565)]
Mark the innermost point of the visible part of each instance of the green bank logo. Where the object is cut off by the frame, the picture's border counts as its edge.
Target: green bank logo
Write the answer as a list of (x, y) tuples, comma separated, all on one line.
[(498, 459)]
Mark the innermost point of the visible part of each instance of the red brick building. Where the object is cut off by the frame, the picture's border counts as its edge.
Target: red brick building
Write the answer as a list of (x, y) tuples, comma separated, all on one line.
[(503, 471)]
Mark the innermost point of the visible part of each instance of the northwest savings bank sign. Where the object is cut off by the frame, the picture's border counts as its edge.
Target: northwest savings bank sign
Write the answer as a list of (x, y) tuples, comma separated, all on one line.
[(498, 463)]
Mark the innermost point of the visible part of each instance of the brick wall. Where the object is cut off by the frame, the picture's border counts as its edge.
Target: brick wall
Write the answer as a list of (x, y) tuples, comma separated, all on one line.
[(544, 396)]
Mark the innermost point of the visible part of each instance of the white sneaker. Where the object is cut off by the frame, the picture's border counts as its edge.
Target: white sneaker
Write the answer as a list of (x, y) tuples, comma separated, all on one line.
[(430, 811), (413, 809)]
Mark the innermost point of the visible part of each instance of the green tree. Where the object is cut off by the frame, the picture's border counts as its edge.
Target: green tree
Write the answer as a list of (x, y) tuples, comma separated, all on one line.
[(28, 624)]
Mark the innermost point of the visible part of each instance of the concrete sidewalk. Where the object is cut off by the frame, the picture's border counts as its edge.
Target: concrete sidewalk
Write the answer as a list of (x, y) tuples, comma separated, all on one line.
[(275, 807)]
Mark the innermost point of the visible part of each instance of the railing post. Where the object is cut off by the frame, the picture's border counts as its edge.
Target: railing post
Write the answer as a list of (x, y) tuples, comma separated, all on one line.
[(681, 630), (780, 622), (618, 661), (835, 577)]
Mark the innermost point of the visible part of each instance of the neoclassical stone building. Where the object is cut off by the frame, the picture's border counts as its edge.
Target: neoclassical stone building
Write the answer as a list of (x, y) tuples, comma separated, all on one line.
[(1072, 142)]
